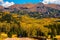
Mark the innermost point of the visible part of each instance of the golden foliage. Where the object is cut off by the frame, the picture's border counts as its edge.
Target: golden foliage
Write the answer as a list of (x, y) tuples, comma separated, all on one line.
[(28, 24)]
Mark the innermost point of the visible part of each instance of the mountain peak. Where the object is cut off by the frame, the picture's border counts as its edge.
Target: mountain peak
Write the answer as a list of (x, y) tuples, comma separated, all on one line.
[(40, 7)]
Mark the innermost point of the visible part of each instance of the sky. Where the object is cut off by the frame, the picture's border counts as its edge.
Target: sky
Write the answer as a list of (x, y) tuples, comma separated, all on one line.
[(7, 3), (23, 1)]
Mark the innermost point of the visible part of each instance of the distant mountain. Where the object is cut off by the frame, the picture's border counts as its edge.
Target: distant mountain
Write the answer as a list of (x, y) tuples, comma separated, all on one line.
[(40, 7), (44, 9)]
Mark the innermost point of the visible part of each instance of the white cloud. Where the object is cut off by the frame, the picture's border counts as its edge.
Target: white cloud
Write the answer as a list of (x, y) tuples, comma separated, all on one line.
[(51, 1), (1, 1), (6, 4)]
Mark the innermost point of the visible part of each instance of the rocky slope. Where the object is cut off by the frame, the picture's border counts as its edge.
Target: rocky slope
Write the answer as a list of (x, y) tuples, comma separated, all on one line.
[(46, 10), (40, 7)]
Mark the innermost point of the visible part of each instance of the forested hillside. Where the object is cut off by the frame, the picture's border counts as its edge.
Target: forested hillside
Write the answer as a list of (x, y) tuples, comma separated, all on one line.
[(30, 20), (25, 24)]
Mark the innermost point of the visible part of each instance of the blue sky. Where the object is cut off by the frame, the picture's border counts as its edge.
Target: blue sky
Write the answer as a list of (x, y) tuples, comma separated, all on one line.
[(24, 1), (7, 3)]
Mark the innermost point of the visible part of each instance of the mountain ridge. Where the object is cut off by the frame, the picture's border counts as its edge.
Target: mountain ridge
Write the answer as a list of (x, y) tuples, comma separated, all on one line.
[(40, 7)]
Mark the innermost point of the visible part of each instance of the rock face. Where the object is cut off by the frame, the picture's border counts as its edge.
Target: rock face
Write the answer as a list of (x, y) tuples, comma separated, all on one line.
[(40, 7)]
